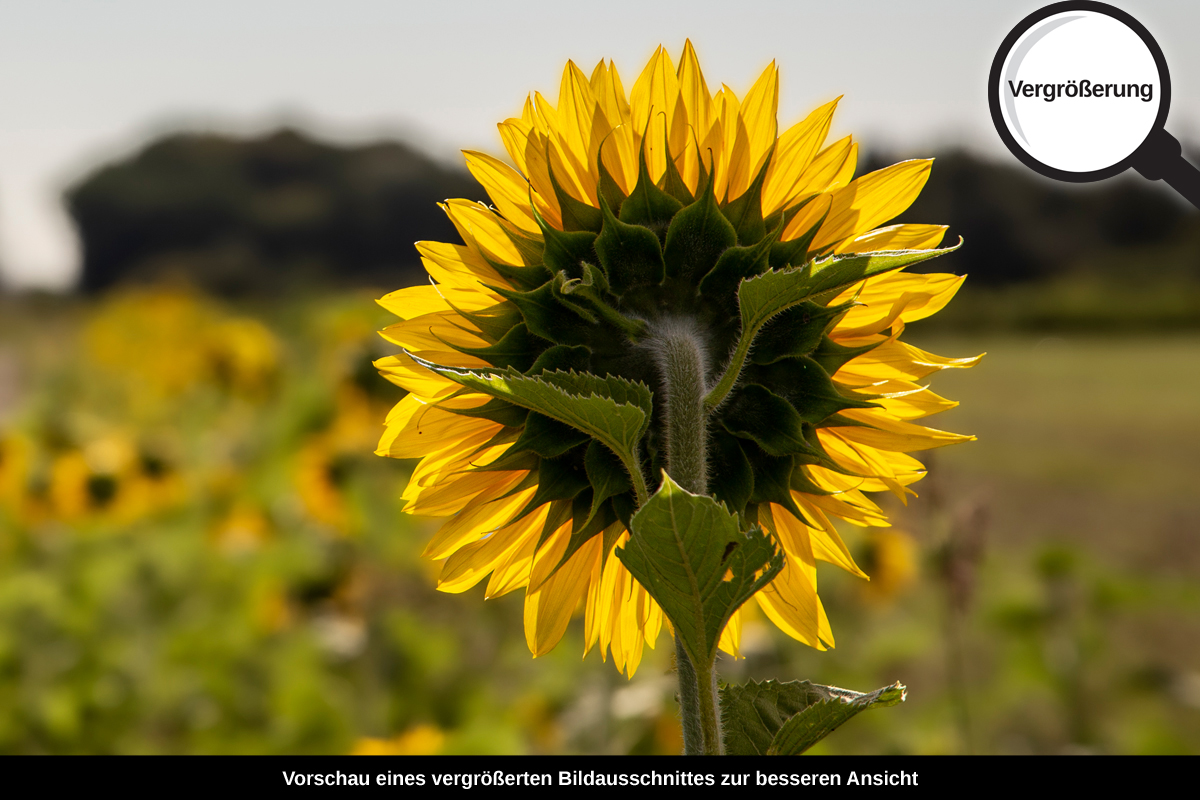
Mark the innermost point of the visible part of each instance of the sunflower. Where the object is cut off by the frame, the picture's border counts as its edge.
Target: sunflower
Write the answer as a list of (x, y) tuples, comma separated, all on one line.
[(627, 214)]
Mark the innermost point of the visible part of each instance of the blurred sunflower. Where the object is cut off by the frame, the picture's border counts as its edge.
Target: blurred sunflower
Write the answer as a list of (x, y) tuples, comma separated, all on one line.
[(629, 212)]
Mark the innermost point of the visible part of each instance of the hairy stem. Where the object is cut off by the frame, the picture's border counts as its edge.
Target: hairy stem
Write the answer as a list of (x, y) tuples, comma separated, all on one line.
[(683, 364)]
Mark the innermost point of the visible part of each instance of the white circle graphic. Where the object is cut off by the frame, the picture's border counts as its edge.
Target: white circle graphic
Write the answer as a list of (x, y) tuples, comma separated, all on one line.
[(1080, 91)]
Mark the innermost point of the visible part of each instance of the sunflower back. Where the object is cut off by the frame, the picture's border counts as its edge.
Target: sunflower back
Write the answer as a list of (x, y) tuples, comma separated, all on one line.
[(539, 395)]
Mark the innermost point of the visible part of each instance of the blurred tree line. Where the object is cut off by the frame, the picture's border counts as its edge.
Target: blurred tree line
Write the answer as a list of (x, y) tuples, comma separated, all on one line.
[(254, 216)]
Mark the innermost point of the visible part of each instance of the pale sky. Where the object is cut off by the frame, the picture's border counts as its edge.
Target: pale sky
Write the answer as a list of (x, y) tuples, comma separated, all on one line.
[(85, 81)]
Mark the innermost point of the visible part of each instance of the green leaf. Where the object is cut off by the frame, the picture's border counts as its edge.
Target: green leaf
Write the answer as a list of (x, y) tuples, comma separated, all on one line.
[(681, 549), (612, 410), (771, 718), (764, 296)]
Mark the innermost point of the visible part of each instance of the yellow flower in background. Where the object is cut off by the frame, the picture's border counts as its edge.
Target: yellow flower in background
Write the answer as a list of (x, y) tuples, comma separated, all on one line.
[(170, 341), (110, 480), (826, 411), (419, 740), (891, 559)]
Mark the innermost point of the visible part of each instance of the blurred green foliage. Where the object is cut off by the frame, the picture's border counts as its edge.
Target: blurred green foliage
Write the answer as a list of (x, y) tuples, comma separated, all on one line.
[(199, 553)]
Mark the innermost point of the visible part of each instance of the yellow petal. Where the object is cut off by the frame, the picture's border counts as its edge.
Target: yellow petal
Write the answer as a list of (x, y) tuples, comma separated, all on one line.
[(509, 191), (872, 200)]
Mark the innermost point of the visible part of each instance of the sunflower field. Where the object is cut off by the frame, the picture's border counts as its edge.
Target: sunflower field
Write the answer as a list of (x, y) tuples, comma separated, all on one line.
[(203, 551), (199, 553)]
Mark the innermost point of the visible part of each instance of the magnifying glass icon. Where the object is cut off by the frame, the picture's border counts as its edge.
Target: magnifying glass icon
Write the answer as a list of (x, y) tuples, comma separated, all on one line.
[(1079, 92)]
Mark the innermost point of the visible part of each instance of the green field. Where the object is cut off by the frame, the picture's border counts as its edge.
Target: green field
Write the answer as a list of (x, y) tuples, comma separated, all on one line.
[(265, 595)]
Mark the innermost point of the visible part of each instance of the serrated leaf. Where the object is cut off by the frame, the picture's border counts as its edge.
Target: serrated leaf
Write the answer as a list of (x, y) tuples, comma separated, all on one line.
[(614, 411), (682, 548), (819, 720), (754, 715), (762, 297)]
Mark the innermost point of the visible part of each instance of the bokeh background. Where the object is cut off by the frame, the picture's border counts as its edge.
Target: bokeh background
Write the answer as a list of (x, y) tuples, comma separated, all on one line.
[(200, 553)]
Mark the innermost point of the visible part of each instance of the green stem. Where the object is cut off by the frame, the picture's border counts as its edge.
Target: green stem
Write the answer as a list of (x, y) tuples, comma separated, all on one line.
[(732, 371), (683, 363)]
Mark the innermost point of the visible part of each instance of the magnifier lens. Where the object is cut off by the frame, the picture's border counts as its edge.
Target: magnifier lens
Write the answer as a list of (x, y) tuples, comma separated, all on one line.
[(1080, 91)]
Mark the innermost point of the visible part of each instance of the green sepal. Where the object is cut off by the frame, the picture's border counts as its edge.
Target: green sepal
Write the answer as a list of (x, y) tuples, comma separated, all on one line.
[(648, 205), (624, 505), (770, 421), (557, 515), (674, 185), (697, 237), (517, 350), (784, 254), (630, 254), (556, 480), (800, 481), (495, 410), (745, 212), (547, 437), (583, 526), (681, 549), (606, 475), (842, 421), (795, 332), (512, 460), (772, 718), (576, 216), (562, 357), (524, 278), (773, 483), (833, 356), (565, 250), (733, 265), (732, 480), (493, 325), (546, 314), (531, 249), (806, 386), (609, 191), (795, 252)]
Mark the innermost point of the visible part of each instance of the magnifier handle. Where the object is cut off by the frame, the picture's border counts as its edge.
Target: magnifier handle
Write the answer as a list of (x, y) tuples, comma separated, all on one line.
[(1161, 158)]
